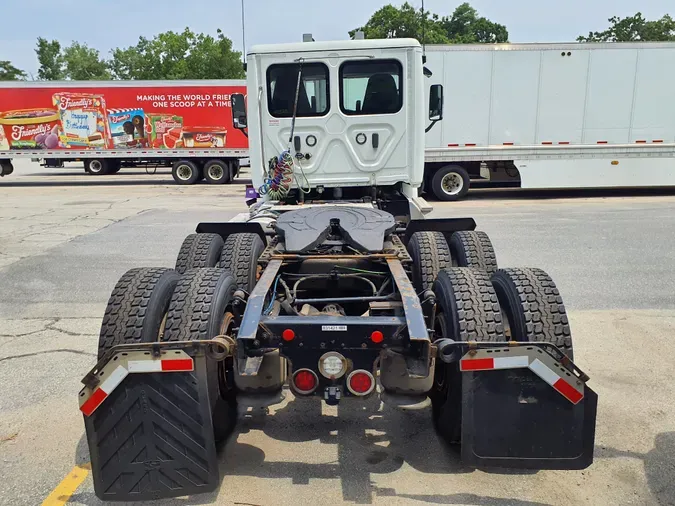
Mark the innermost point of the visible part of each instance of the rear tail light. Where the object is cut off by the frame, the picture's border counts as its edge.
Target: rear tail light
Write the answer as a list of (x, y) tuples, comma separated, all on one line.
[(360, 382), (305, 381)]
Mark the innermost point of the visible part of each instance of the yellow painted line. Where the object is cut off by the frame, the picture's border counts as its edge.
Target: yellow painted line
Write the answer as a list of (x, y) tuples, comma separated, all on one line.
[(61, 494)]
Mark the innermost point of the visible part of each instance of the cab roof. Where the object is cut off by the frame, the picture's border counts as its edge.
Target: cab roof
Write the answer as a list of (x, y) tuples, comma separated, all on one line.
[(339, 45)]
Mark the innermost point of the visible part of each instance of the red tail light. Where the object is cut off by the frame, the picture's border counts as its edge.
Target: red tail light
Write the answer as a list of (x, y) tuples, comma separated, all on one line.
[(305, 381), (377, 337), (288, 335), (360, 382)]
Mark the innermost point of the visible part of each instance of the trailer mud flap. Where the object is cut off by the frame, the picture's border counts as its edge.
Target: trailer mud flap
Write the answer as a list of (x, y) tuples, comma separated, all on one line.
[(522, 409), (150, 435)]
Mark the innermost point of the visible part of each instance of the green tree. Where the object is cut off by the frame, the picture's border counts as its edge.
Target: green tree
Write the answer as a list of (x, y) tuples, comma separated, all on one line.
[(634, 28), (185, 55), (50, 59), (83, 63), (391, 22), (463, 26), (9, 72)]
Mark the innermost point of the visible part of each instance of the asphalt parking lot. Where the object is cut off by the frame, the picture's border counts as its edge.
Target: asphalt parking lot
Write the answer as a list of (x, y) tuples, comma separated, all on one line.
[(66, 238)]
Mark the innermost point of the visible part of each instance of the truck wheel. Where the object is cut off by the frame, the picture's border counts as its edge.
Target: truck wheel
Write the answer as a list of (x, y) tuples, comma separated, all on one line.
[(185, 172), (533, 308), (430, 254), (198, 251), (114, 166), (467, 310), (96, 166), (217, 172), (450, 183), (240, 256), (474, 249), (137, 307), (6, 168), (199, 310)]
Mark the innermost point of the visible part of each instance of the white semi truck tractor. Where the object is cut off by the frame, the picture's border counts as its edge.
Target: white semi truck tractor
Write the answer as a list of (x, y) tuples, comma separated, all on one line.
[(333, 285)]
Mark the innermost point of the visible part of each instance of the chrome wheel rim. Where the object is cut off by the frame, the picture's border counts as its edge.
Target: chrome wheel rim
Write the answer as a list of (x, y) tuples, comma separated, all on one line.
[(216, 172), (95, 166), (452, 183), (184, 172)]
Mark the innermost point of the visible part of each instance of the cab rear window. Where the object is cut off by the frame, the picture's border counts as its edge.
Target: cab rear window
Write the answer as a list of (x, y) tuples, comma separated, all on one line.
[(369, 87), (282, 81)]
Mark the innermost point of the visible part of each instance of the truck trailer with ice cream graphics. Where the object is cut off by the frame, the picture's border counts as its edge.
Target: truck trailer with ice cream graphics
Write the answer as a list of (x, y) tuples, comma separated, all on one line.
[(182, 124)]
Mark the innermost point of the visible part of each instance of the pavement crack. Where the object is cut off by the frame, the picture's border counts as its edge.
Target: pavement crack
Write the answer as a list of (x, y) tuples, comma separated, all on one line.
[(37, 353)]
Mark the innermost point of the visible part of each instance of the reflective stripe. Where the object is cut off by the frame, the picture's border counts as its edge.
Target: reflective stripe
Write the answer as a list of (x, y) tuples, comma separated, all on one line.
[(93, 402), (550, 377), (179, 364), (571, 393), (145, 366), (511, 362), (114, 379), (540, 369)]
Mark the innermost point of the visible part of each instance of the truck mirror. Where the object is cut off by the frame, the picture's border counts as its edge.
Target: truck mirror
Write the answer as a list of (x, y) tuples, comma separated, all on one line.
[(436, 102), (239, 111)]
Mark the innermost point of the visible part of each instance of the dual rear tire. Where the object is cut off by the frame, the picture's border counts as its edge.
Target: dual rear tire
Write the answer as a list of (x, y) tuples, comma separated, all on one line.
[(520, 304), (189, 172)]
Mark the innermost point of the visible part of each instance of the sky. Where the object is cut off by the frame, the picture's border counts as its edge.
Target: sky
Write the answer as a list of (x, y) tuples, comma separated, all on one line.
[(107, 24)]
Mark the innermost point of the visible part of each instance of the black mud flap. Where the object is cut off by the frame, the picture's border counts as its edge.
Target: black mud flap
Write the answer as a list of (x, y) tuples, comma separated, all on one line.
[(512, 418), (152, 437)]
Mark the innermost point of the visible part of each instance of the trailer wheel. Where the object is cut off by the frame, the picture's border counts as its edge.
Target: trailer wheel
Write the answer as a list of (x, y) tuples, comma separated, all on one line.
[(186, 172), (96, 166), (533, 308), (137, 307), (198, 251), (450, 183), (217, 172), (467, 310), (430, 254), (199, 310), (240, 256), (474, 249), (114, 166)]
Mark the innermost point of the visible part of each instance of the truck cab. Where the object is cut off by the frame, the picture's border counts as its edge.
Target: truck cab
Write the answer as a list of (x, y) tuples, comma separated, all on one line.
[(350, 113)]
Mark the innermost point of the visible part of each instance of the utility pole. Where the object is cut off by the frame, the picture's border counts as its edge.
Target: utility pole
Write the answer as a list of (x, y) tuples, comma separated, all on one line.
[(243, 33)]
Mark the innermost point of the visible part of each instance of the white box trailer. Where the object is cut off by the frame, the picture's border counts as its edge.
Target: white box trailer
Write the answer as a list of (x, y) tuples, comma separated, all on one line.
[(552, 116)]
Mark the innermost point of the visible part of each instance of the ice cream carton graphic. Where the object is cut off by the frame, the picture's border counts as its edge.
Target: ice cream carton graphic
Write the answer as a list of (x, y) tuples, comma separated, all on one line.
[(83, 120), (127, 128), (165, 131)]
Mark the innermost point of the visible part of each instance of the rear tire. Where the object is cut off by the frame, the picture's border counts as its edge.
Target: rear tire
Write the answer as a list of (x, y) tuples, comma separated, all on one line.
[(198, 311), (430, 254), (217, 172), (240, 256), (467, 310), (97, 166), (114, 166), (137, 307), (199, 251), (450, 183), (533, 307), (185, 172), (473, 249)]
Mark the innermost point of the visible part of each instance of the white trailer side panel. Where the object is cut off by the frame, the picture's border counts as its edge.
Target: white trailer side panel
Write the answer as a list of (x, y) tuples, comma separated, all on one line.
[(561, 97), (654, 102), (466, 78), (513, 103), (609, 96), (554, 94)]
